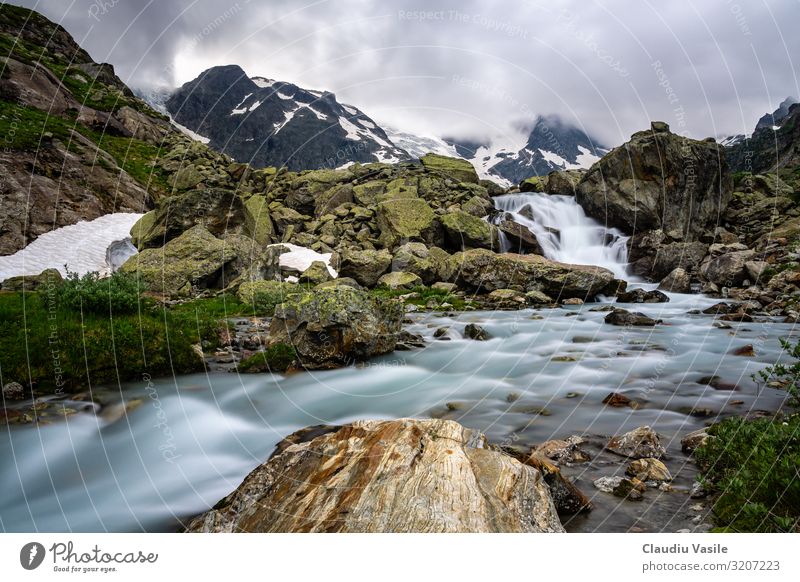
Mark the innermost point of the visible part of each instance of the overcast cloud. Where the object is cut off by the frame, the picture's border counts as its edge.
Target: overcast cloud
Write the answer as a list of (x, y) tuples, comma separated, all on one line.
[(472, 68)]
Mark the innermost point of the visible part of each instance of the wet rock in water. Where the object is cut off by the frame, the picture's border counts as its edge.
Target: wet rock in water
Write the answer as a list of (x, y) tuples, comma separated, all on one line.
[(572, 301), (694, 440), (698, 491), (563, 451), (630, 489), (442, 333), (746, 350), (487, 271), (409, 341), (336, 326), (519, 237), (639, 443), (738, 317), (719, 309), (607, 484), (617, 400), (717, 383), (677, 281), (648, 470), (642, 296), (507, 298), (13, 391), (476, 332), (567, 498), (603, 308), (388, 476), (632, 318), (537, 298)]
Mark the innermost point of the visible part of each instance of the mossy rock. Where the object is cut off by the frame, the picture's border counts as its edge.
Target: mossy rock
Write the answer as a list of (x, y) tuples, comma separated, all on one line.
[(365, 266), (33, 282), (399, 280), (367, 193), (278, 357), (142, 231), (464, 231), (458, 169), (257, 222), (400, 188), (196, 259), (409, 219), (533, 184)]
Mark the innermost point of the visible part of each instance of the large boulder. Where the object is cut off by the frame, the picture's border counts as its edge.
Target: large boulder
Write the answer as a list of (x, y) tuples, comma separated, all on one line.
[(726, 265), (397, 280), (564, 182), (44, 281), (194, 260), (519, 236), (659, 180), (336, 326), (257, 222), (678, 281), (365, 266), (430, 264), (483, 270), (387, 476), (654, 254), (464, 231), (401, 220), (456, 168), (218, 211)]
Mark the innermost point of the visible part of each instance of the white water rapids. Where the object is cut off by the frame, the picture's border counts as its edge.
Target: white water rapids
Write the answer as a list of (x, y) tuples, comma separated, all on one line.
[(564, 231)]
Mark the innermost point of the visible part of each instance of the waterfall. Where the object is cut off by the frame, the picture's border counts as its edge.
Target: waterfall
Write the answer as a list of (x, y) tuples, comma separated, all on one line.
[(564, 231)]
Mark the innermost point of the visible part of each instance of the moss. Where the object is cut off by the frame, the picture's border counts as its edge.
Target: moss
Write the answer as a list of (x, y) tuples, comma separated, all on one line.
[(404, 219), (421, 296), (456, 168), (276, 358)]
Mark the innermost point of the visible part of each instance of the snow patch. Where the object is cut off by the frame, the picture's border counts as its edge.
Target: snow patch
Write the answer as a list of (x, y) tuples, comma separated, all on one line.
[(352, 130), (236, 110), (262, 82), (195, 136), (254, 106), (284, 96), (350, 110), (586, 159), (300, 258), (81, 247), (288, 115), (365, 123)]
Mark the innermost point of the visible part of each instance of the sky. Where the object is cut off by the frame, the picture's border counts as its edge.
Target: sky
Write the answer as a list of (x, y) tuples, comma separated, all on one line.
[(472, 69)]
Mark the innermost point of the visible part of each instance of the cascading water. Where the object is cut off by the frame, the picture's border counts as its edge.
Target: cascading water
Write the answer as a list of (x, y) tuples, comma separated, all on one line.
[(564, 231)]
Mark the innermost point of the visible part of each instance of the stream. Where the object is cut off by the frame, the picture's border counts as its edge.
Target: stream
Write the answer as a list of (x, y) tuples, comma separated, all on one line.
[(162, 450)]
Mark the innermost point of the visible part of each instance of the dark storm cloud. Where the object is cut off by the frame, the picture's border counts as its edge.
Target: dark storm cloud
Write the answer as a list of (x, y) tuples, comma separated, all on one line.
[(472, 68)]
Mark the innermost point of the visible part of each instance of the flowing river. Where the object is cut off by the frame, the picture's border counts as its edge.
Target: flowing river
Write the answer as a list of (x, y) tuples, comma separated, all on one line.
[(186, 442)]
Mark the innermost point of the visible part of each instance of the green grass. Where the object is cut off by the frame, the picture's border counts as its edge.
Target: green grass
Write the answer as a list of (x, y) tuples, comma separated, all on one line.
[(424, 295), (137, 158), (57, 348), (752, 469), (22, 127)]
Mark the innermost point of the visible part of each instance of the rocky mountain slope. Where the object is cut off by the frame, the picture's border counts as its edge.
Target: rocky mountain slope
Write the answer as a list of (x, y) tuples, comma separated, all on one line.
[(775, 119), (78, 144), (271, 123), (769, 149)]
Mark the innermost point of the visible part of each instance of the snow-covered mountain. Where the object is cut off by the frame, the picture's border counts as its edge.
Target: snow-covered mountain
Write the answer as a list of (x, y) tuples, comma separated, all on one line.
[(273, 123), (775, 118), (551, 145), (418, 145)]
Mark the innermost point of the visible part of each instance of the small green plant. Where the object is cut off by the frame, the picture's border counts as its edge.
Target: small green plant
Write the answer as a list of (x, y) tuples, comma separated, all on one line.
[(752, 468), (118, 294), (276, 358), (785, 376)]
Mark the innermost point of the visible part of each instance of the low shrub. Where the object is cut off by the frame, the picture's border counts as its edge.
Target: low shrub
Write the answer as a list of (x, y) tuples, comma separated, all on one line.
[(752, 468), (118, 294)]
